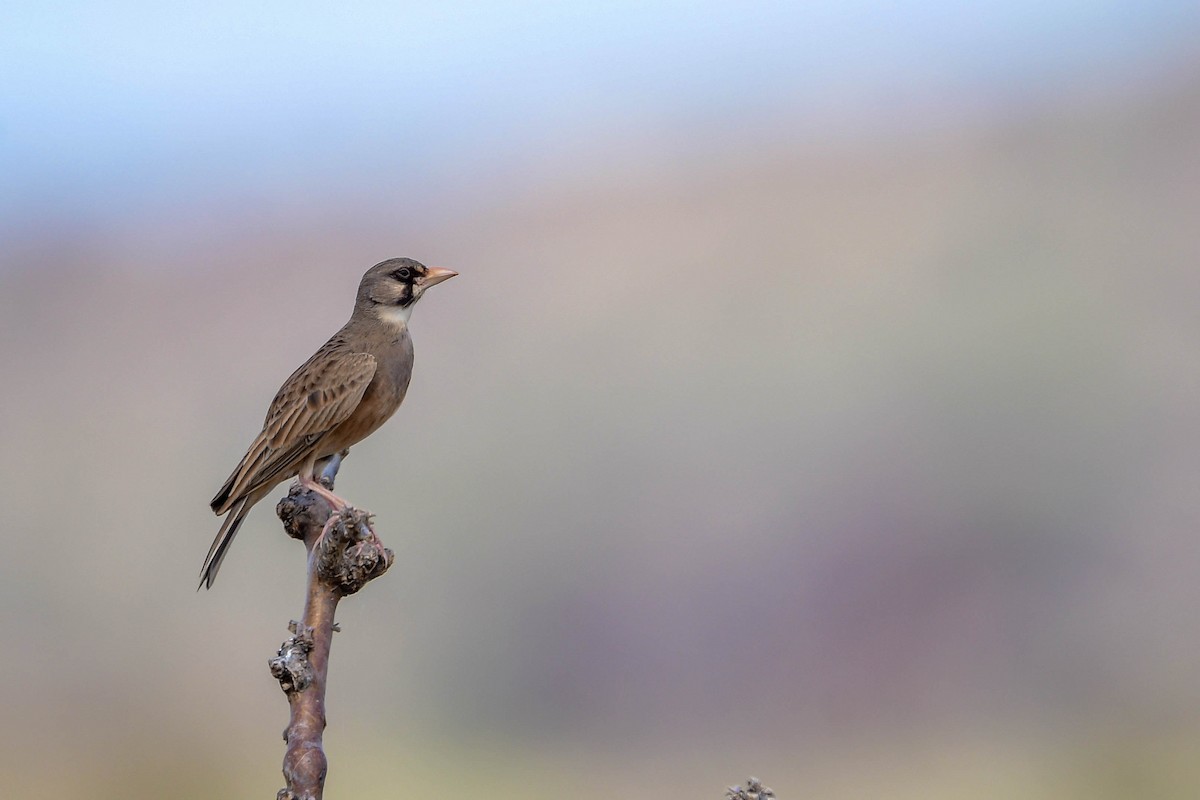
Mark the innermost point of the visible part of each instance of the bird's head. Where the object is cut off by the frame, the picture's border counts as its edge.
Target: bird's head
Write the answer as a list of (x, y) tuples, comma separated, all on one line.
[(391, 288)]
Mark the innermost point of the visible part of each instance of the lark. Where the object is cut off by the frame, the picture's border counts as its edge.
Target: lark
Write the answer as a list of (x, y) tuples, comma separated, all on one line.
[(340, 396)]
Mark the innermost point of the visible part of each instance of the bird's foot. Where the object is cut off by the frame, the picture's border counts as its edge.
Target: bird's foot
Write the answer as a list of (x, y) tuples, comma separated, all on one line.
[(371, 540), (359, 530), (333, 520), (338, 504)]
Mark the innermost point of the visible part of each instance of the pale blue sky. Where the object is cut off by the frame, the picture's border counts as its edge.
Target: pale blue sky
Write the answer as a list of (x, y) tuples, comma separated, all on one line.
[(110, 105)]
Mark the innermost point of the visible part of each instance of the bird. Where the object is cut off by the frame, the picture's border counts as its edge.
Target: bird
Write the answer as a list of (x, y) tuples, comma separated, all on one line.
[(342, 394)]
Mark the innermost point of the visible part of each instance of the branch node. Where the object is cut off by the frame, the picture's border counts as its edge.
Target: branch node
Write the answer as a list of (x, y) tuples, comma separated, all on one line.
[(290, 666), (301, 511), (350, 554), (754, 791)]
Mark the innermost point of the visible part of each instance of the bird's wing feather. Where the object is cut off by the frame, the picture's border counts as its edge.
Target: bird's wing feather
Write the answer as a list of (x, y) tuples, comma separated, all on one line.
[(318, 397)]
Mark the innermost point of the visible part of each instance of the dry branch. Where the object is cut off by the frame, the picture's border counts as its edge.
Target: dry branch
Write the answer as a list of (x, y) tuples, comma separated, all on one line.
[(754, 791), (339, 563)]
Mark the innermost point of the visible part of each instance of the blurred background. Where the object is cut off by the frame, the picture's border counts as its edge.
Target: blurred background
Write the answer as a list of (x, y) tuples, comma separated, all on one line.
[(819, 398)]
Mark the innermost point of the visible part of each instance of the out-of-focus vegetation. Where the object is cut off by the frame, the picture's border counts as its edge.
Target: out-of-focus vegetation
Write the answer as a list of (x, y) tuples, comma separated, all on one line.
[(855, 453)]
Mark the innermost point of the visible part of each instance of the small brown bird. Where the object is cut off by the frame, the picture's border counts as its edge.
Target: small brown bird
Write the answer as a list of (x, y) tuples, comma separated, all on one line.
[(337, 398)]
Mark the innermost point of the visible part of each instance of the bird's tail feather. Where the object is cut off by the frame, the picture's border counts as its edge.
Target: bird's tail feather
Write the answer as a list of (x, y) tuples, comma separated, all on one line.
[(220, 545), (223, 496)]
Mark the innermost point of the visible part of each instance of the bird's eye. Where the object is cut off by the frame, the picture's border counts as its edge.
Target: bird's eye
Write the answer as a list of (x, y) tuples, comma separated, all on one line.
[(403, 274)]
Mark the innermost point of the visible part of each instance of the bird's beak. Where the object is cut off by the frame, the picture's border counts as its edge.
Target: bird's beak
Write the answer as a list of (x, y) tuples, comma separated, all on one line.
[(435, 275)]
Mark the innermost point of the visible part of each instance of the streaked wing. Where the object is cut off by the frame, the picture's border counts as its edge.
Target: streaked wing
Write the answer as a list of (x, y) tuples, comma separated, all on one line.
[(317, 397)]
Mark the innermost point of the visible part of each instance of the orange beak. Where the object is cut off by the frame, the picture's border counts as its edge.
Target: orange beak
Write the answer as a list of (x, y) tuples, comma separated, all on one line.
[(436, 275)]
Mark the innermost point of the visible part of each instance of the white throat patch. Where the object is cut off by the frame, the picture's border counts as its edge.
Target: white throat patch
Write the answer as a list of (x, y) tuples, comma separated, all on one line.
[(396, 315)]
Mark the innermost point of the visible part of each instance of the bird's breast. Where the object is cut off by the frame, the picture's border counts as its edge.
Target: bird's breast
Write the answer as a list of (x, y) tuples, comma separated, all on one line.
[(381, 399)]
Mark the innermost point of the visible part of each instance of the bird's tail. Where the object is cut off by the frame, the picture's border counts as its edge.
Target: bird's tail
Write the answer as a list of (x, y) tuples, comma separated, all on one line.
[(220, 545), (226, 491)]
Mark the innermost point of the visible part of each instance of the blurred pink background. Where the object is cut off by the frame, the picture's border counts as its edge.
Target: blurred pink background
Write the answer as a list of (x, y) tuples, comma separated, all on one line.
[(819, 398)]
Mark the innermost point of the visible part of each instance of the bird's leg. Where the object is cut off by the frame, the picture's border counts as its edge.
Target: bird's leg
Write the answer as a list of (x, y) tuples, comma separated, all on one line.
[(337, 504), (326, 470), (314, 480)]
